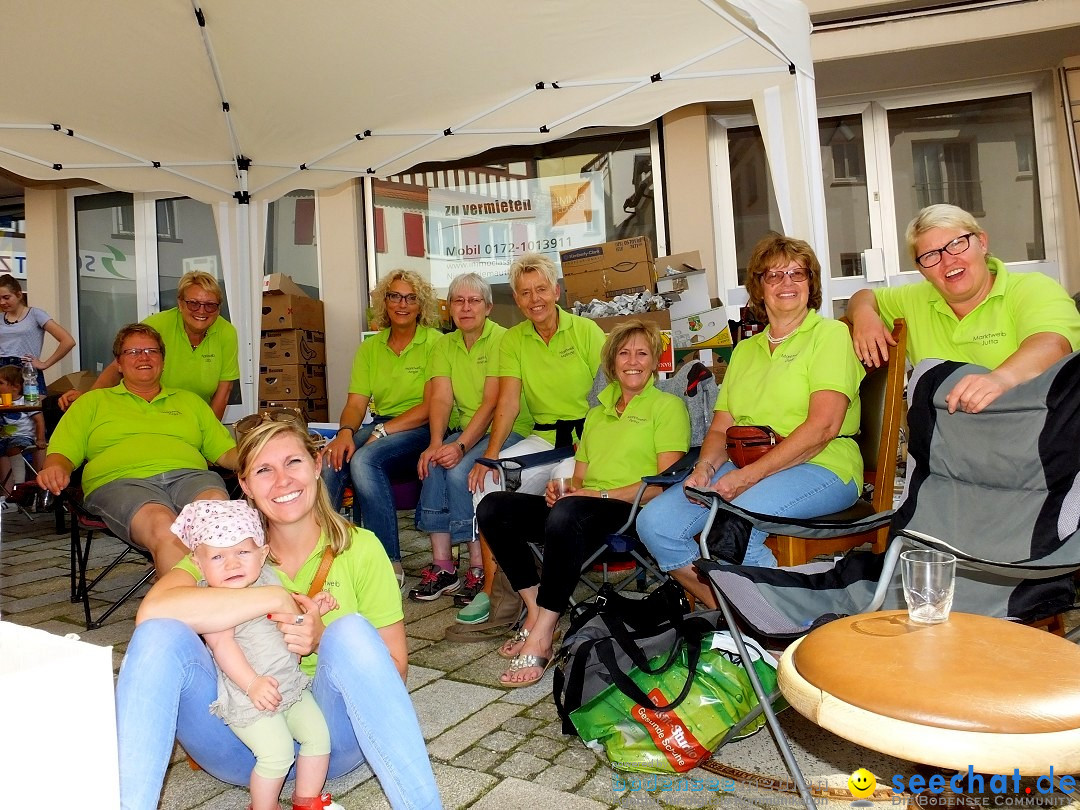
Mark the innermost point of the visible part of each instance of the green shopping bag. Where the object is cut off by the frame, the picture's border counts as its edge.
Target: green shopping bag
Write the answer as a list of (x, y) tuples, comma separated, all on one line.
[(690, 707)]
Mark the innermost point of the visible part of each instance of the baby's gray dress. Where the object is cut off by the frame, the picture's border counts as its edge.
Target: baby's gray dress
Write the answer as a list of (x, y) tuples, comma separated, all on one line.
[(264, 647)]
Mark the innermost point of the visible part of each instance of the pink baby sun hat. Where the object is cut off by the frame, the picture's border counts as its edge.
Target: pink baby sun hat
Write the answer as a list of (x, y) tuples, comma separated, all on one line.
[(221, 524)]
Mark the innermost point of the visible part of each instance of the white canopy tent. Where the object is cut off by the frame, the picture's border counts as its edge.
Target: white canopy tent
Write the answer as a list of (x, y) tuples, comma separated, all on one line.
[(236, 102)]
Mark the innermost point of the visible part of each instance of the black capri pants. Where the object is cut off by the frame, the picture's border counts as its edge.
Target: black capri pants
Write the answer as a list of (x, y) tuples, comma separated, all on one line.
[(569, 531)]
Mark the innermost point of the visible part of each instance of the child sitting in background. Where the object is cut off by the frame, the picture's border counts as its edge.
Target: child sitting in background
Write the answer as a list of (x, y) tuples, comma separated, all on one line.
[(18, 432), (262, 694)]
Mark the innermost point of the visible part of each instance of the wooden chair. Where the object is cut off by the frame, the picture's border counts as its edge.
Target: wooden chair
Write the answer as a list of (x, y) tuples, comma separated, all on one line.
[(882, 395)]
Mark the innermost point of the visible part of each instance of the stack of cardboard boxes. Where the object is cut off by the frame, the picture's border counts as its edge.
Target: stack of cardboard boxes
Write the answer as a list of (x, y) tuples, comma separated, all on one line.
[(292, 357)]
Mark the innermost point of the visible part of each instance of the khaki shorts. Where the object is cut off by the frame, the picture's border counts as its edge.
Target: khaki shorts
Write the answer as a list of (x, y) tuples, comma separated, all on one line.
[(117, 501)]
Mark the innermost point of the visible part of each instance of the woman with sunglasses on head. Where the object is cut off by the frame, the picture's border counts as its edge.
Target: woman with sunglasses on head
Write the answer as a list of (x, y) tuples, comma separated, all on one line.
[(356, 655), (799, 377), (146, 448), (969, 308), (202, 346), (389, 375), (22, 334)]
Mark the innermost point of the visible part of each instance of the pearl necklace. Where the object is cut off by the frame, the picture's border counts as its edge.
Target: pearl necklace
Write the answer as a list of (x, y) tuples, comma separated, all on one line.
[(778, 341), (619, 411)]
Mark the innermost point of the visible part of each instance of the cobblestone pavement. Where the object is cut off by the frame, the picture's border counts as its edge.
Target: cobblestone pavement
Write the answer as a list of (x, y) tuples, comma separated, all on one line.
[(490, 747)]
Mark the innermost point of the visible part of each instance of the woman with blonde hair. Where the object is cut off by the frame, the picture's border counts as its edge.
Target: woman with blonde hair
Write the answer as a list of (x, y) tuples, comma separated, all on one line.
[(201, 346), (356, 654), (389, 375)]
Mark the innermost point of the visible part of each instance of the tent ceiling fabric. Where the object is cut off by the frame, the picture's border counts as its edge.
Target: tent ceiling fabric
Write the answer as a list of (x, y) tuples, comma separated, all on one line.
[(138, 82)]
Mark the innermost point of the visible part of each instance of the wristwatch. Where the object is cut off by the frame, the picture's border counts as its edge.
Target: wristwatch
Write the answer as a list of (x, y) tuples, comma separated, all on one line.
[(604, 493), (462, 446), (379, 431)]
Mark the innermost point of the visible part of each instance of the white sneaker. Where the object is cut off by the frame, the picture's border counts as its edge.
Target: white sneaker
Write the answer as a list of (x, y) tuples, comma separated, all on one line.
[(8, 506)]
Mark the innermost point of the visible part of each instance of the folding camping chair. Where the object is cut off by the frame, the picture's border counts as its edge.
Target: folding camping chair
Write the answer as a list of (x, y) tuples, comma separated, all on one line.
[(1011, 519)]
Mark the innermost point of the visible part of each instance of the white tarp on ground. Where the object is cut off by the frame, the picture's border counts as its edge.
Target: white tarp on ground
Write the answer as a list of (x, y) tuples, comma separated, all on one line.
[(168, 95)]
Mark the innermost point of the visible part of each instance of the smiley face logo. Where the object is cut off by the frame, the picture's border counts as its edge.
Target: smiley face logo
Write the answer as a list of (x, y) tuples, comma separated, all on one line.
[(862, 783)]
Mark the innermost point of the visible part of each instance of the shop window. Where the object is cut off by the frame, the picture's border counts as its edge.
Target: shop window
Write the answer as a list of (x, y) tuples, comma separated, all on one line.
[(167, 228), (849, 166)]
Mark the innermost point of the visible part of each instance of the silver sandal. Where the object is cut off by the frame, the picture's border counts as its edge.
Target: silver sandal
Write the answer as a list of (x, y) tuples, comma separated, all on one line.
[(517, 638)]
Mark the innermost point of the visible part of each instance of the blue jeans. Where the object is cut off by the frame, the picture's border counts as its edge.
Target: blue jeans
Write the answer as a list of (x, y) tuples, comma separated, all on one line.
[(168, 680), (668, 523), (446, 505), (371, 467)]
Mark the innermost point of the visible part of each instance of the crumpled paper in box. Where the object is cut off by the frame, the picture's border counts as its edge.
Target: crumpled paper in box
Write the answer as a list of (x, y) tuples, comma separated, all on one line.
[(621, 305)]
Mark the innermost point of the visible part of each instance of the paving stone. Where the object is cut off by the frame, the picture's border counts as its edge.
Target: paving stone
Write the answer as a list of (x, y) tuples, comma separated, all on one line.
[(32, 582), (452, 657), (466, 733), (522, 765), (343, 784), (521, 725), (544, 711), (185, 788), (478, 759), (501, 741), (431, 626), (459, 787), (445, 703), (602, 786), (419, 676), (560, 778), (553, 731), (519, 793), (578, 756), (542, 747)]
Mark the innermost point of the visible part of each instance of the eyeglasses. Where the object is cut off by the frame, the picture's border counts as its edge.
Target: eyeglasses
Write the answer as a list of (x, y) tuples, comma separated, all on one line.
[(147, 352), (774, 277), (954, 248), (397, 298), (472, 302), (289, 415), (206, 306)]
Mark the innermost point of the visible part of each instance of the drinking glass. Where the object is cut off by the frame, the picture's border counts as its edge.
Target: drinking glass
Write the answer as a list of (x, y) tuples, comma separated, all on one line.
[(929, 581), (563, 486)]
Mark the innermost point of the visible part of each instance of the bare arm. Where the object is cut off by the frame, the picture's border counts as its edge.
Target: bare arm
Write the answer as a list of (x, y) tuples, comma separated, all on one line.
[(506, 411), (209, 610), (341, 447), (1031, 358), (626, 493), (822, 425), (220, 400), (230, 461), (63, 337), (440, 394), (230, 658), (868, 333), (713, 451), (393, 635), (450, 455)]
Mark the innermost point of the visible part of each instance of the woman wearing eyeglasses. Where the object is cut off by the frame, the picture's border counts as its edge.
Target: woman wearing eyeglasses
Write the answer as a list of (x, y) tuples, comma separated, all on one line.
[(464, 374), (389, 375), (799, 377), (146, 448), (969, 308), (202, 346)]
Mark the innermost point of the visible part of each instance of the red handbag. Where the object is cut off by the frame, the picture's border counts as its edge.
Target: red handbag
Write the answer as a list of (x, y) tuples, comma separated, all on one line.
[(747, 443)]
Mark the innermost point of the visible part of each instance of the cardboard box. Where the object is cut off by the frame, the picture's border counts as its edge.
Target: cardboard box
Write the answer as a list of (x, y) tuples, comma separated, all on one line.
[(292, 346), (281, 284), (292, 312), (686, 290), (292, 382), (606, 270), (314, 410), (79, 380), (661, 318), (704, 330)]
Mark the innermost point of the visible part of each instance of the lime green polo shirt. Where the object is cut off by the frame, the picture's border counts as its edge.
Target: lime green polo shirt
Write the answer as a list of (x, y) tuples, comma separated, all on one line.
[(1018, 306), (202, 369), (121, 435), (621, 451), (556, 377), (361, 579), (392, 382), (774, 389), (468, 369)]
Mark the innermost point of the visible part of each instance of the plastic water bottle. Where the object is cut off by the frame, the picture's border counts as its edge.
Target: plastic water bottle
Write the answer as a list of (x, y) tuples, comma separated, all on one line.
[(30, 381)]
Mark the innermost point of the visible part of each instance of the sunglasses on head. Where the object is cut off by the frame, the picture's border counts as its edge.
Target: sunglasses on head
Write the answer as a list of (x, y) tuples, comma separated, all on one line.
[(252, 421)]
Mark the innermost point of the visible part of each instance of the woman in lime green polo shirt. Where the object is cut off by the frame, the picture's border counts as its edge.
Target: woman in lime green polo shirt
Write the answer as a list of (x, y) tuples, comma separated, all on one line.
[(636, 430), (389, 374), (969, 308), (202, 346), (801, 378)]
